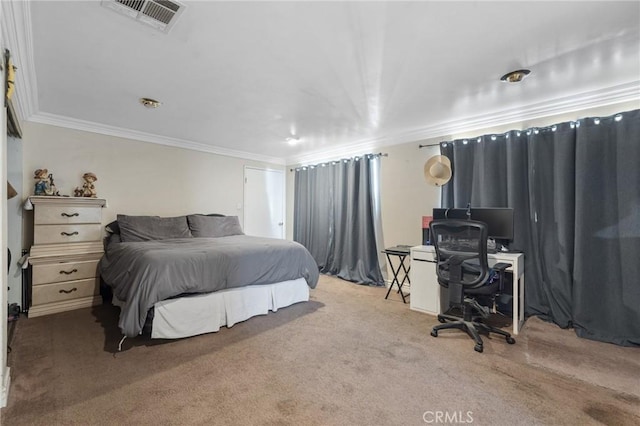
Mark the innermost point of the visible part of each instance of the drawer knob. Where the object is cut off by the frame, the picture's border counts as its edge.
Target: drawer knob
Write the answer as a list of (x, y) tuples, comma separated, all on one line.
[(69, 215), (69, 272), (68, 234), (68, 291)]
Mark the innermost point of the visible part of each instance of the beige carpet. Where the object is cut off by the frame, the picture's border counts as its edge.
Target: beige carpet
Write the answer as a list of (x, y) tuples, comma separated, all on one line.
[(347, 357)]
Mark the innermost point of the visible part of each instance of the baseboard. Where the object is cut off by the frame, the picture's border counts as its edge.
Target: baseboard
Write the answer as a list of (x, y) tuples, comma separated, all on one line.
[(4, 391), (67, 305)]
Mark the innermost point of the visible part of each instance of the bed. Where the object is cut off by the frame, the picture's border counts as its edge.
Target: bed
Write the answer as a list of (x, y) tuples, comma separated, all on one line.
[(193, 274)]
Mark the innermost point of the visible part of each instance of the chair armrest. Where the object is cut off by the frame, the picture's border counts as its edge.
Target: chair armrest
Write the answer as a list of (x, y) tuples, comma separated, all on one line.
[(501, 266)]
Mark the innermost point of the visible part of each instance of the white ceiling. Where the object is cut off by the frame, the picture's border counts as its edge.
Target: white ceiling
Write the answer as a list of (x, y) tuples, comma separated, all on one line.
[(238, 78)]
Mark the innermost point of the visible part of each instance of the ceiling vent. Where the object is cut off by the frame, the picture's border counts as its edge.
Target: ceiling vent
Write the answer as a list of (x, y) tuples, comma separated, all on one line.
[(160, 14)]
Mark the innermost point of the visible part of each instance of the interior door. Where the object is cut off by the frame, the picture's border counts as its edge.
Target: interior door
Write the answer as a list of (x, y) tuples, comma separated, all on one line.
[(264, 207)]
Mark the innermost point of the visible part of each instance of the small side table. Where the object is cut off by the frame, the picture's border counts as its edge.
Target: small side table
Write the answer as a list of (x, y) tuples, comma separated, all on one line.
[(402, 252)]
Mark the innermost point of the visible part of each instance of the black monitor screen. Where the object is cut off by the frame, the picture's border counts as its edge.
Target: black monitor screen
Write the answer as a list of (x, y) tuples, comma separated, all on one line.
[(439, 214), (499, 220)]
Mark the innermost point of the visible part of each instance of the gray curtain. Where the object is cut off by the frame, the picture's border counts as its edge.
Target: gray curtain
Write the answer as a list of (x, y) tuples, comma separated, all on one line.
[(575, 190), (334, 218)]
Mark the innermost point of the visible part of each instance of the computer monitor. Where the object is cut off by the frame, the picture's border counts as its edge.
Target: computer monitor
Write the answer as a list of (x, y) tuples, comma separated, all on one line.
[(499, 220), (439, 214)]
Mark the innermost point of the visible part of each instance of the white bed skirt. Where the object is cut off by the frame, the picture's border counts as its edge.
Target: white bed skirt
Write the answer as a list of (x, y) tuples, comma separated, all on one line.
[(206, 313)]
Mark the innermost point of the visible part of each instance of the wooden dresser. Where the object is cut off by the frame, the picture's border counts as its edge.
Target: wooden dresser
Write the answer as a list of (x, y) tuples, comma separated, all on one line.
[(67, 245)]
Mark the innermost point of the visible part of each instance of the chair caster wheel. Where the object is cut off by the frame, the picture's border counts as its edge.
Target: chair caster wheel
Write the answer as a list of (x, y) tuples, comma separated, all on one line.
[(441, 320), (478, 348), (434, 333), (511, 340)]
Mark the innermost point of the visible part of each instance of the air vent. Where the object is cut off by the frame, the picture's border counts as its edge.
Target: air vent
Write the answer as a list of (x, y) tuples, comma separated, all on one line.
[(160, 14)]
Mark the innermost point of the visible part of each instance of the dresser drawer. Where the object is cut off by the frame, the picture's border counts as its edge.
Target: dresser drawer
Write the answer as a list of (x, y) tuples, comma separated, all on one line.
[(64, 271), (52, 215), (56, 234), (68, 290)]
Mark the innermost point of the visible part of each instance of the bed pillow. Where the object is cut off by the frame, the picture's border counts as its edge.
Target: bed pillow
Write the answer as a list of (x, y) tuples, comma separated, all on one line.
[(214, 226), (111, 239), (147, 228), (113, 227)]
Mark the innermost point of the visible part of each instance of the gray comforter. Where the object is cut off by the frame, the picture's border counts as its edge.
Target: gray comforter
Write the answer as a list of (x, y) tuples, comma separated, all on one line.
[(143, 273)]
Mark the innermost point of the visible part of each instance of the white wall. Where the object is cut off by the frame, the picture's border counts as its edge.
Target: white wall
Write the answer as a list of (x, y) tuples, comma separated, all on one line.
[(136, 178), (405, 195)]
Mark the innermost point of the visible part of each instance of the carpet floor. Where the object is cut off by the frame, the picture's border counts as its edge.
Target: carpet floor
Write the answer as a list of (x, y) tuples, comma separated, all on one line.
[(346, 357)]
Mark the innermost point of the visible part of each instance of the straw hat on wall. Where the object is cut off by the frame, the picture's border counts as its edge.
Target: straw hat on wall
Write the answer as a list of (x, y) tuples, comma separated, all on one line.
[(437, 170)]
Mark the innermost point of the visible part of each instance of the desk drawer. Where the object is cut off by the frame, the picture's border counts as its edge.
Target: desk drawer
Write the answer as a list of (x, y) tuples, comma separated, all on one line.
[(68, 290), (56, 234), (64, 271), (423, 256), (51, 215)]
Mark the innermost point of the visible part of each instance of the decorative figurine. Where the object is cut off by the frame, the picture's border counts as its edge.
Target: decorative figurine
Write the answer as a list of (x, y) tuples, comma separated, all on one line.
[(44, 184), (88, 189), (51, 190), (42, 181)]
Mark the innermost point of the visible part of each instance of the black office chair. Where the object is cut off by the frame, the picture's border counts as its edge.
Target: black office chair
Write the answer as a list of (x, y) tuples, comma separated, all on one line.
[(461, 249)]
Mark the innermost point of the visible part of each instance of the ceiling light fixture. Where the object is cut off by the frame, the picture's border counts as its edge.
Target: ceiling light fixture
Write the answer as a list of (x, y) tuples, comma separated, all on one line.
[(515, 76), (150, 103), (292, 140)]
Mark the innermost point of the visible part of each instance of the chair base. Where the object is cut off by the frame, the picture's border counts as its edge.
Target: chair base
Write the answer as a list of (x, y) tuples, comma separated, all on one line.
[(472, 328)]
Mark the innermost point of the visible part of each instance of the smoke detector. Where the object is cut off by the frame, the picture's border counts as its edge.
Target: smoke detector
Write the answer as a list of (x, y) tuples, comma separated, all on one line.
[(159, 14)]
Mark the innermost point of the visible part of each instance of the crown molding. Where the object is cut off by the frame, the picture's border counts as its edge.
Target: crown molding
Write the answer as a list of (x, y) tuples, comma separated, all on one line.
[(626, 92), (16, 31), (597, 98), (89, 126)]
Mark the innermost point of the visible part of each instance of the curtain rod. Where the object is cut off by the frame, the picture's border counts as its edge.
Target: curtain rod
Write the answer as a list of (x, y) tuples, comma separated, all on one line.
[(552, 127), (429, 144), (380, 154)]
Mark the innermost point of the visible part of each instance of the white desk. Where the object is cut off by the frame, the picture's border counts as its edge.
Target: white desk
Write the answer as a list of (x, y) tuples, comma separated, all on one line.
[(425, 290)]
